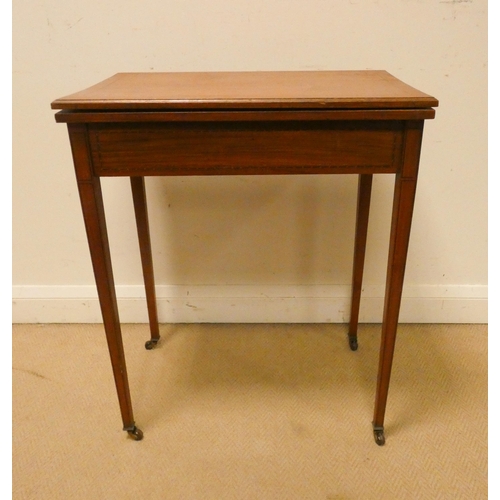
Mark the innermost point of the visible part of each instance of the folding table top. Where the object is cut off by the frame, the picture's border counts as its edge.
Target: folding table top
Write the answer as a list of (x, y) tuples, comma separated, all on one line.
[(248, 90)]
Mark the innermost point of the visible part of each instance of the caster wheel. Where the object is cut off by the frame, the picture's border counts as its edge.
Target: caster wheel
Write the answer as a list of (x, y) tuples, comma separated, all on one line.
[(379, 436), (150, 344), (353, 343), (135, 433)]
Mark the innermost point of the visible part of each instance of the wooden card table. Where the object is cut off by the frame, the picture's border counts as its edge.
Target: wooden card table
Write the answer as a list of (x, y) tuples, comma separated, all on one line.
[(249, 123)]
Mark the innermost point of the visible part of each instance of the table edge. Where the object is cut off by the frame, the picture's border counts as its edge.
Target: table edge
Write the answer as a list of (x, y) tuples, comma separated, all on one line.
[(243, 104), (79, 116)]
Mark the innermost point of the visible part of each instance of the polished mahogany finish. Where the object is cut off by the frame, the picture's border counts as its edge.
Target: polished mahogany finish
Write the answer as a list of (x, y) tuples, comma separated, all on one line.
[(249, 90), (250, 123), (222, 148)]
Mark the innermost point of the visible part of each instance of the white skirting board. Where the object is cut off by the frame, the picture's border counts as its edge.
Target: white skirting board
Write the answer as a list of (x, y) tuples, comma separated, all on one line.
[(251, 304)]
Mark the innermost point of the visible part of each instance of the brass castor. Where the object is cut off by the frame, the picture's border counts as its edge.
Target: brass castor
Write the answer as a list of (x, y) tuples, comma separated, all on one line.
[(378, 434), (150, 344), (135, 433), (353, 343)]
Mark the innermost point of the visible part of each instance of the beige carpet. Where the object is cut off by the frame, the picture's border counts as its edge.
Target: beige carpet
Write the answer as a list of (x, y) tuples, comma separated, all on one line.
[(249, 412)]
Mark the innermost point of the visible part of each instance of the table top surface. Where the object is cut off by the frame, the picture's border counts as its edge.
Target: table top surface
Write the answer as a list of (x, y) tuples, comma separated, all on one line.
[(248, 90)]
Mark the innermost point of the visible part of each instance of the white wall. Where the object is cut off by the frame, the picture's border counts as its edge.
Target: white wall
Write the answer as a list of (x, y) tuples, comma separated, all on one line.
[(251, 248)]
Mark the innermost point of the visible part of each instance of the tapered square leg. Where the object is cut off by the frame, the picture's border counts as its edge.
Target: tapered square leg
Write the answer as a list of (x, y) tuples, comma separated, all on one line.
[(362, 214), (89, 188), (402, 212), (141, 218)]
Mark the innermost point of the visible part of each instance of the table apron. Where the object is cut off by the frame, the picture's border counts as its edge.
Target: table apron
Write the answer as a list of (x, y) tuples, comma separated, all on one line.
[(237, 148)]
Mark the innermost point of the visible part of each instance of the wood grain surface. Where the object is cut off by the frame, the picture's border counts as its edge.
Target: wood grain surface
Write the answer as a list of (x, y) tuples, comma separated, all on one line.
[(249, 90)]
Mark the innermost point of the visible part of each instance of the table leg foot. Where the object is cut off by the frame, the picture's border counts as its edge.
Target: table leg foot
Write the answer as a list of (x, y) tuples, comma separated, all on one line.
[(151, 344), (353, 342), (135, 433), (378, 434)]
